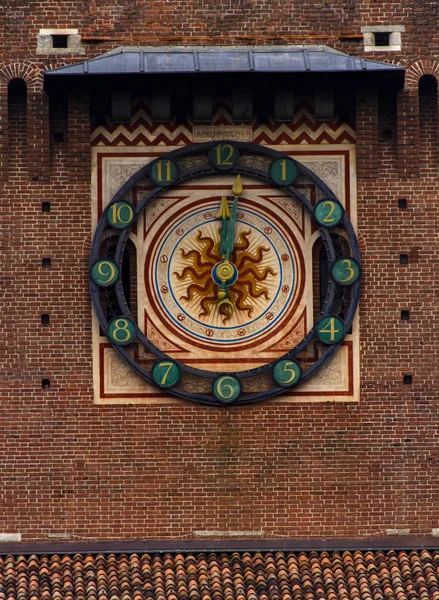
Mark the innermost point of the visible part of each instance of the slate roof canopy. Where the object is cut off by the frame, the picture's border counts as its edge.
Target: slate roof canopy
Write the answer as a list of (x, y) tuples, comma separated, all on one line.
[(213, 59)]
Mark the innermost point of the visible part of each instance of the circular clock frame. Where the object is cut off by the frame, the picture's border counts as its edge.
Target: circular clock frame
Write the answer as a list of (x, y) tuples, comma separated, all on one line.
[(129, 334)]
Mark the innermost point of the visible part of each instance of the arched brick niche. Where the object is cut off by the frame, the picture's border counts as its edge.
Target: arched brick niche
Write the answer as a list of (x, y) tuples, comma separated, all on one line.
[(37, 118)]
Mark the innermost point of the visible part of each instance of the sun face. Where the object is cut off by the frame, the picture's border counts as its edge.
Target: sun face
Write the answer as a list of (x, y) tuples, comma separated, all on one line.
[(249, 287)]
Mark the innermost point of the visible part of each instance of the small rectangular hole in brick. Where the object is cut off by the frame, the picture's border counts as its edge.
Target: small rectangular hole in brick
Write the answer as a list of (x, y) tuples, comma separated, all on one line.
[(45, 384), (60, 41), (405, 315), (386, 135), (403, 259), (46, 262), (45, 206), (382, 38), (407, 380), (402, 203), (58, 137), (45, 320)]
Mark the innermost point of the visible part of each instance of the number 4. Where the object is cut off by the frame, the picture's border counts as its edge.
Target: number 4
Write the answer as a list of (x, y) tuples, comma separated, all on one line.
[(330, 330)]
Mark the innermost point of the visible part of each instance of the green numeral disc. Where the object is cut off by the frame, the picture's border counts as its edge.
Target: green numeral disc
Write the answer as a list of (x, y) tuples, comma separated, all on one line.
[(330, 330), (120, 215), (345, 271), (223, 156), (164, 172), (287, 373), (166, 373), (121, 331), (226, 388), (328, 213), (284, 171), (105, 273)]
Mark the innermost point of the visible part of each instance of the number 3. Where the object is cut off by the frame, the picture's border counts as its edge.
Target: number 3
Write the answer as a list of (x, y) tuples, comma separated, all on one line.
[(347, 263)]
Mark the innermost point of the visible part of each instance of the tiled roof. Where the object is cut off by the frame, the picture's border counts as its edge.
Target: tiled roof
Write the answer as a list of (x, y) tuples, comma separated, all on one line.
[(359, 575)]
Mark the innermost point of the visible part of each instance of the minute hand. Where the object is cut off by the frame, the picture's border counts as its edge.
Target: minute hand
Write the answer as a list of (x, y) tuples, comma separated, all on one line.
[(230, 241)]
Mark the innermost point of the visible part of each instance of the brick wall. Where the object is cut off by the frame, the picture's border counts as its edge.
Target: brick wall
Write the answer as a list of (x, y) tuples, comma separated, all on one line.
[(70, 468)]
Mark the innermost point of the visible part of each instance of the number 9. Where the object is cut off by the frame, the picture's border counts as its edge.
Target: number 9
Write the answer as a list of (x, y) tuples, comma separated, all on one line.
[(104, 273)]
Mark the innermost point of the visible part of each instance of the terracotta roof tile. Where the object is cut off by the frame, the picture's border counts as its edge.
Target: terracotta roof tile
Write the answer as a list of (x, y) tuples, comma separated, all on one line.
[(367, 575)]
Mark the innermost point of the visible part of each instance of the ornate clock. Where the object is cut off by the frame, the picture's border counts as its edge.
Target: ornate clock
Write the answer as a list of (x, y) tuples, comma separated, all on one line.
[(231, 306)]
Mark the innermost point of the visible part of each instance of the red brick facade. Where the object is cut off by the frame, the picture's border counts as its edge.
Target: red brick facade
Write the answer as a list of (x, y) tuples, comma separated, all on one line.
[(71, 469)]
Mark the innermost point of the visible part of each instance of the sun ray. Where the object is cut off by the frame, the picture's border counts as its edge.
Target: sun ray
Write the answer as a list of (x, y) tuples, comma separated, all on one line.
[(254, 287)]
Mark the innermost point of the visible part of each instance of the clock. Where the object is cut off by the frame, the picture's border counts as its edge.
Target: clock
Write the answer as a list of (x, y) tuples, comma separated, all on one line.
[(226, 303)]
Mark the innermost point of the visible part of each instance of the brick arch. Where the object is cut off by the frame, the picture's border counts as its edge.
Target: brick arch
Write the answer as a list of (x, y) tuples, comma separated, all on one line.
[(29, 72), (38, 157), (420, 68)]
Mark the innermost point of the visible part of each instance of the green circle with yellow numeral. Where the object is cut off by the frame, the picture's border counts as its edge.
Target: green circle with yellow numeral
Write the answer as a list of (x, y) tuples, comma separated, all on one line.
[(284, 171), (226, 389), (328, 213), (223, 156), (166, 373), (345, 271), (120, 215), (164, 172), (287, 373), (330, 330), (121, 331), (105, 273)]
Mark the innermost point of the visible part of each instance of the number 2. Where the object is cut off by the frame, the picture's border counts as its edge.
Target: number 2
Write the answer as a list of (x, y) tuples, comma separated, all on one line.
[(327, 219)]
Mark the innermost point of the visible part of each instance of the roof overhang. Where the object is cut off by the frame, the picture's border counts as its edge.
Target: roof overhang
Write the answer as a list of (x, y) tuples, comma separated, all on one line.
[(143, 60)]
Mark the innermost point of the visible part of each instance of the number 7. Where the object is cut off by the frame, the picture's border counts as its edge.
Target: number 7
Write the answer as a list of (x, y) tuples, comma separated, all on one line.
[(165, 376)]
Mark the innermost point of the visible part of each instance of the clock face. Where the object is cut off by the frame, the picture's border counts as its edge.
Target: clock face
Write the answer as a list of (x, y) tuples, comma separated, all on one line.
[(222, 307), (180, 284)]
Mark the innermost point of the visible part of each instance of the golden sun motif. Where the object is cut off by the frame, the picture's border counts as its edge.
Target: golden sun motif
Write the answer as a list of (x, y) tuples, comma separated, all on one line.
[(248, 287)]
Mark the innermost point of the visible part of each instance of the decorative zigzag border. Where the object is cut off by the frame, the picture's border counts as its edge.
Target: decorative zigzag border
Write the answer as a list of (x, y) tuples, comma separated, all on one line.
[(303, 130)]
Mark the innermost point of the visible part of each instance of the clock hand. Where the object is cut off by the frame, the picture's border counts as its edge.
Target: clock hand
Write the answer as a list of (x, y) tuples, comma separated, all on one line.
[(223, 214), (237, 191), (224, 271)]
